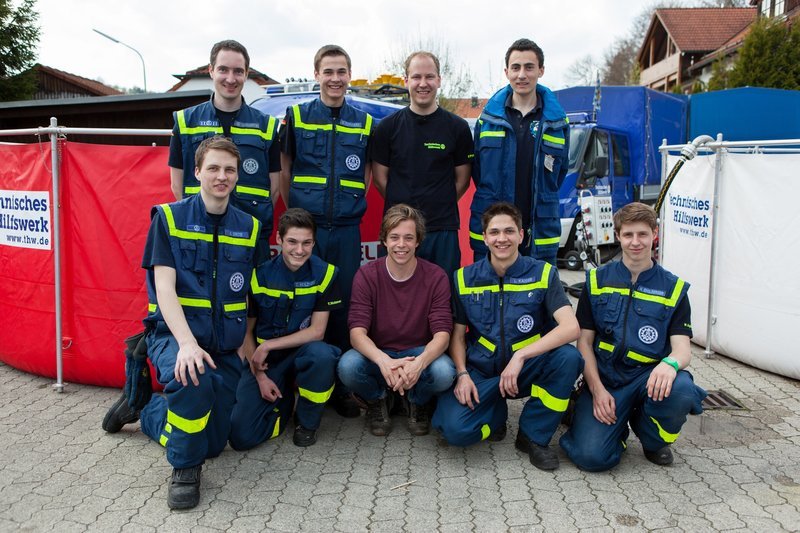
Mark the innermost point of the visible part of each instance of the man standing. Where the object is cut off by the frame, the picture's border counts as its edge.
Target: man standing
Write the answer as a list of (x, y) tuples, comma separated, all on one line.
[(508, 301), (400, 324), (254, 134), (326, 171), (422, 157), (199, 253), (635, 328), (522, 154), (291, 295)]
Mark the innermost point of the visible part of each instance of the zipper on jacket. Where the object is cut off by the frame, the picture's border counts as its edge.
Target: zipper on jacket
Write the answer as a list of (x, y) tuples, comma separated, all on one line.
[(503, 359), (332, 181), (622, 346), (214, 339)]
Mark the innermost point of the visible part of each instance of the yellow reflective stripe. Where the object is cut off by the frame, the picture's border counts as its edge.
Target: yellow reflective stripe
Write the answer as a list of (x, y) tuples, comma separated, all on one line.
[(476, 236), (309, 179), (641, 358), (168, 428), (485, 431), (191, 190), (508, 287), (298, 122), (183, 129), (266, 135), (272, 127), (255, 191), (352, 184), (486, 343), (594, 290), (549, 401), (665, 435), (241, 306), (490, 133), (152, 307), (669, 302), (276, 430), (163, 440), (316, 397), (605, 346), (187, 425), (194, 302), (197, 236), (321, 287), (548, 241), (258, 289), (552, 139), (525, 342)]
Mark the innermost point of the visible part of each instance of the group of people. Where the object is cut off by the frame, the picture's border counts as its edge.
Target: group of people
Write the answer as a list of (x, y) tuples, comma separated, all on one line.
[(246, 345)]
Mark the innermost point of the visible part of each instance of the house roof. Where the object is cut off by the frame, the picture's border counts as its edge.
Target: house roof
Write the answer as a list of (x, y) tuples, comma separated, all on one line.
[(91, 86), (463, 107), (202, 72), (703, 29)]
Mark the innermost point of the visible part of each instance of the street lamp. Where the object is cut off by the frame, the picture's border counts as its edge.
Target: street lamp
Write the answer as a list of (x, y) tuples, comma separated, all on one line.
[(110, 38)]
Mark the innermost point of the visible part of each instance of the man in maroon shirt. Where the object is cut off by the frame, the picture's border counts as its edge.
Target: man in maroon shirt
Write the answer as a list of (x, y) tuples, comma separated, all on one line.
[(400, 323)]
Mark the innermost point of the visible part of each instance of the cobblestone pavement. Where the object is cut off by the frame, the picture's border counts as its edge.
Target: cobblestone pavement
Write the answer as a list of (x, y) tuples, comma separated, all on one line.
[(733, 471)]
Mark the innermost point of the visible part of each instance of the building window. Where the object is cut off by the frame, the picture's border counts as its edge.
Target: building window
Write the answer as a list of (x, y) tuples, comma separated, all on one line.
[(778, 10), (766, 8)]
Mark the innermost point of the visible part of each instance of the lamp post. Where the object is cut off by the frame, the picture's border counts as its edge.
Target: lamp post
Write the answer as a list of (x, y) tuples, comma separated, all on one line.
[(110, 38)]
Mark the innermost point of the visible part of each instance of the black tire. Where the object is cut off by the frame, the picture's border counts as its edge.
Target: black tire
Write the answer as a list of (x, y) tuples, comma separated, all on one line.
[(573, 261)]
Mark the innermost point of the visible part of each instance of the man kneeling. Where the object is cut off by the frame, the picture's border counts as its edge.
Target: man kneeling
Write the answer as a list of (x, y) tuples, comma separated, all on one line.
[(635, 329), (400, 324), (291, 296), (509, 302)]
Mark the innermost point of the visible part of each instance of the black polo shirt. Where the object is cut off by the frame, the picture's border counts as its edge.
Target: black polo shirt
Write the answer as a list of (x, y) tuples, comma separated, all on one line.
[(526, 129)]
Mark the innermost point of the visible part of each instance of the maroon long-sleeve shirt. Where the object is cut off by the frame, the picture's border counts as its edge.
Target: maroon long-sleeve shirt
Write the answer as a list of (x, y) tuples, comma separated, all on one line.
[(399, 315)]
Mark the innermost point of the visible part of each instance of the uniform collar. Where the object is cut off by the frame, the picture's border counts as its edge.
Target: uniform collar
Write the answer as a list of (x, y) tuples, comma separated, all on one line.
[(647, 275)]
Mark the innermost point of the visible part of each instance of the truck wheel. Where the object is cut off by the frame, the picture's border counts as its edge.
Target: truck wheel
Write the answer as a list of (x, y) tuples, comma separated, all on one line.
[(572, 260)]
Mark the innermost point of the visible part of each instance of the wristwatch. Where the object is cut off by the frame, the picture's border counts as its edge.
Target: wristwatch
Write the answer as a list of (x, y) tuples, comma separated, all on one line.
[(672, 362)]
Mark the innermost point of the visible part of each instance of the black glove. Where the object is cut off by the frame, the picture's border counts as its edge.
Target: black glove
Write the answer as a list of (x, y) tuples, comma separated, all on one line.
[(138, 387)]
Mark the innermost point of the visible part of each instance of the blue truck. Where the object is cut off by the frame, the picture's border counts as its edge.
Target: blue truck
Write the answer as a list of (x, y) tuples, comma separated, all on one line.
[(615, 133)]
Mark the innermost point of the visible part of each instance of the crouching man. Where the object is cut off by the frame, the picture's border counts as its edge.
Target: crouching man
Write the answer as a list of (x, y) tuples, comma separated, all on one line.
[(199, 253), (292, 296), (635, 328), (509, 301), (400, 324)]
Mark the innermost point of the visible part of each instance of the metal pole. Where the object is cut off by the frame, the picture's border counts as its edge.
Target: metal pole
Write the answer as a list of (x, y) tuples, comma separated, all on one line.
[(56, 171), (664, 154), (711, 318), (110, 38)]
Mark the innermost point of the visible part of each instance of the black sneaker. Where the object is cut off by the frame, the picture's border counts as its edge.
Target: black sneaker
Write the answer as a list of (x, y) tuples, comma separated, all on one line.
[(378, 418), (542, 457), (497, 436), (184, 489), (346, 406), (119, 415), (419, 419), (304, 437), (662, 456)]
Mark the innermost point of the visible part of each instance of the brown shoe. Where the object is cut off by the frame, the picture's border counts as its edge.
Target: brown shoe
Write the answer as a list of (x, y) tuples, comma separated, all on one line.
[(419, 419), (378, 418)]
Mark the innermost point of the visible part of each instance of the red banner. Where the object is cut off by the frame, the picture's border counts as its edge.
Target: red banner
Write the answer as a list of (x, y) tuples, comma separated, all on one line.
[(106, 196)]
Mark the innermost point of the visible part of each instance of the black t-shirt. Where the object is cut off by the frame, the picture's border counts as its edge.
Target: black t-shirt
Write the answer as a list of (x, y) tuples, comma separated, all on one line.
[(226, 119), (554, 299), (526, 129), (681, 323), (422, 152)]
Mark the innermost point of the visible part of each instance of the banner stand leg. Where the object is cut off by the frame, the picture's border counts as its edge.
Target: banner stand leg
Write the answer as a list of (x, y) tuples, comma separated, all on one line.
[(56, 173), (711, 318)]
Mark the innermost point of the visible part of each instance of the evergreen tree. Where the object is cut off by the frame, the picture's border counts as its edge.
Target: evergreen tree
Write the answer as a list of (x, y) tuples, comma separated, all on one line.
[(19, 36), (769, 57)]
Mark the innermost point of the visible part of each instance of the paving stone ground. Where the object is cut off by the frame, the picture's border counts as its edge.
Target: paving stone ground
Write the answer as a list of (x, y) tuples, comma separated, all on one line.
[(733, 471)]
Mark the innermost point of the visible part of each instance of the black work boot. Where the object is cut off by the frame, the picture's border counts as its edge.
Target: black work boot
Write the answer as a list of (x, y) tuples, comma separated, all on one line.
[(419, 419), (378, 417), (497, 436), (345, 405), (542, 457), (118, 415), (304, 437), (184, 488), (661, 457)]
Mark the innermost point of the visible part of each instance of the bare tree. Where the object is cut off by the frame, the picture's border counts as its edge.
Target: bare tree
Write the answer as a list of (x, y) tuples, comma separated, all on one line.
[(583, 71)]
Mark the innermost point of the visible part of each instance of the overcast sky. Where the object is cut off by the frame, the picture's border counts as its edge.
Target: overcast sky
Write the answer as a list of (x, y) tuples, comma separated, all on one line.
[(176, 35)]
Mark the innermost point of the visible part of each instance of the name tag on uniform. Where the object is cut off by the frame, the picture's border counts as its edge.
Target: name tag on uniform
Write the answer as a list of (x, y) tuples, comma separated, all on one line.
[(548, 162)]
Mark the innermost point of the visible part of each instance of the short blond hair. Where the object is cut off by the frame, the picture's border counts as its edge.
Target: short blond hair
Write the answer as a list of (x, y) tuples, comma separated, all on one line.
[(400, 213)]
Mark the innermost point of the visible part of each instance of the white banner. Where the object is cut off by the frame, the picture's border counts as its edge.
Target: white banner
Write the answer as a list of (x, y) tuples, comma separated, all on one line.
[(757, 292), (25, 219)]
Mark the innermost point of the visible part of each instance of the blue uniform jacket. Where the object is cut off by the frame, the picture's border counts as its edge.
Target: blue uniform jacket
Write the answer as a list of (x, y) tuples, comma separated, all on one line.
[(632, 320), (494, 169), (212, 269), (330, 157)]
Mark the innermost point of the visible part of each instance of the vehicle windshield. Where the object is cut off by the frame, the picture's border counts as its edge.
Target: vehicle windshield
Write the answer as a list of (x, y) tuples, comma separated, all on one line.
[(577, 138)]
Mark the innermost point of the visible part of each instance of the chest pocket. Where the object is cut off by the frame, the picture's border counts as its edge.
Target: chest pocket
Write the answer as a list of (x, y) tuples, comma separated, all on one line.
[(481, 307), (238, 254), (194, 255), (610, 309), (313, 145)]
